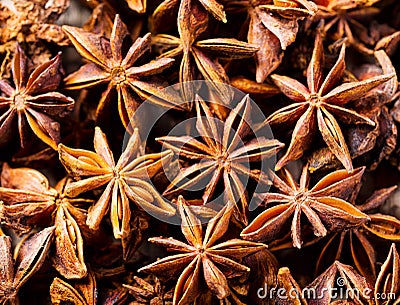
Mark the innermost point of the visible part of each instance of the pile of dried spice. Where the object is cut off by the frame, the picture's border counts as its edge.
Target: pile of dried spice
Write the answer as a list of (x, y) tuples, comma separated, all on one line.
[(134, 169)]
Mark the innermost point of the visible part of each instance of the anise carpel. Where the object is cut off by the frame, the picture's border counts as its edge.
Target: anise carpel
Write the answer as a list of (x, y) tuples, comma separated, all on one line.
[(324, 206), (149, 291), (167, 8), (362, 253), (33, 102), (203, 260), (346, 19), (107, 65), (201, 55), (126, 180), (222, 153), (212, 152), (29, 200), (27, 260), (319, 105), (273, 26)]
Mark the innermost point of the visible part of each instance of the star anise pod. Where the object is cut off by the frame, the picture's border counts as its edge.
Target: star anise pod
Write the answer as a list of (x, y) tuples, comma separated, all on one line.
[(322, 205), (84, 292), (202, 259), (33, 100), (343, 19), (107, 65), (318, 106), (28, 259), (361, 250), (384, 292), (273, 27), (289, 291), (201, 55), (340, 276), (124, 180), (28, 199), (149, 292), (167, 10), (387, 285), (139, 6), (223, 153)]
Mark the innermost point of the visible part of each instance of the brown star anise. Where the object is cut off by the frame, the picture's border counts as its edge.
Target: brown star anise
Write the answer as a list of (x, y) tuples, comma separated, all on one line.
[(167, 8), (139, 6), (33, 100), (342, 20), (361, 250), (223, 153), (201, 53), (124, 180), (322, 205), (384, 292), (28, 259), (273, 27), (387, 284), (85, 292), (316, 106), (28, 200), (149, 292), (203, 260), (107, 65)]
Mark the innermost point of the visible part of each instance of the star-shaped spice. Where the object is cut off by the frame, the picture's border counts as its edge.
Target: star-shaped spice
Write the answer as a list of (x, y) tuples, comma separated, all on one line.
[(139, 6), (149, 291), (33, 100), (85, 292), (344, 19), (167, 8), (29, 200), (200, 55), (223, 153), (107, 65), (384, 291), (361, 250), (322, 205), (202, 259), (124, 180), (319, 105), (28, 259), (273, 27)]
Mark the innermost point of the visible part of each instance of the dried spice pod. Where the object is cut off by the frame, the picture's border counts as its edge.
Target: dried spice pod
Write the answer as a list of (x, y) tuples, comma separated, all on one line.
[(321, 204), (83, 292), (33, 101), (128, 179), (333, 197), (28, 198), (200, 55), (272, 27), (108, 65), (221, 155), (149, 291), (361, 249), (202, 260), (316, 106), (29, 257)]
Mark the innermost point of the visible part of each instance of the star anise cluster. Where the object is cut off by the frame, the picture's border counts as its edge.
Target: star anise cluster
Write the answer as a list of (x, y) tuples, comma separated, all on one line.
[(195, 152)]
